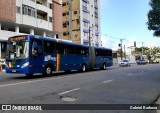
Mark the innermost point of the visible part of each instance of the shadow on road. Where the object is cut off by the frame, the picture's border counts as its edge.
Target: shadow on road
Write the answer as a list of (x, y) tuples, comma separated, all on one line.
[(62, 74)]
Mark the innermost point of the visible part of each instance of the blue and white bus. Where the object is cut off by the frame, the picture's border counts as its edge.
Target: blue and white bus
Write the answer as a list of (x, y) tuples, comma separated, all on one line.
[(30, 54)]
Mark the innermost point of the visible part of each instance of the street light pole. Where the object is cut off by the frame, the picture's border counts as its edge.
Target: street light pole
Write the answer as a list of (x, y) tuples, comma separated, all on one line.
[(121, 48)]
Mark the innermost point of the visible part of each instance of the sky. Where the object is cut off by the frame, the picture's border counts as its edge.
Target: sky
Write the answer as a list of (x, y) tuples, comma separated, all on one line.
[(125, 19)]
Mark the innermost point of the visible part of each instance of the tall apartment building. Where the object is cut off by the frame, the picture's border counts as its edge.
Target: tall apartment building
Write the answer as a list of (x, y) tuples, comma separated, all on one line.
[(37, 17), (85, 14)]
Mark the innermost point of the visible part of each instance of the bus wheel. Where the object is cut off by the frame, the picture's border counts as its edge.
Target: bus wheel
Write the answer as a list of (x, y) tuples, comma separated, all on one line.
[(83, 68), (48, 71), (29, 75), (104, 66)]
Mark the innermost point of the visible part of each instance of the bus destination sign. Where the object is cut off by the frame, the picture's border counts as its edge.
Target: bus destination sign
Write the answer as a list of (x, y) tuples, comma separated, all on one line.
[(18, 38)]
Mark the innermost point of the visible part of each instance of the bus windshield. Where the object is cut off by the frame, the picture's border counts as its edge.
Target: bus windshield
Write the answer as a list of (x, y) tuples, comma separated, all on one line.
[(18, 50)]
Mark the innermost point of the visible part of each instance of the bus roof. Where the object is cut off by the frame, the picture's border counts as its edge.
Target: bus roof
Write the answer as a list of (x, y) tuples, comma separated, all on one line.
[(60, 40)]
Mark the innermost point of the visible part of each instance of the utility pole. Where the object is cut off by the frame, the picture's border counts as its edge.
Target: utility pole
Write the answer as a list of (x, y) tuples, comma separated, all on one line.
[(121, 48), (124, 52), (70, 20), (142, 47)]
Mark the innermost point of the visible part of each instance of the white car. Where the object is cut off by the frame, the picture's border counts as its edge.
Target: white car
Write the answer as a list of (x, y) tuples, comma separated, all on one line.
[(124, 63)]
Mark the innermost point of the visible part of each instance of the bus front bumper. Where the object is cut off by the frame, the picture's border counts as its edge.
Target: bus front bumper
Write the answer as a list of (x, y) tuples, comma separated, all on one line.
[(18, 71)]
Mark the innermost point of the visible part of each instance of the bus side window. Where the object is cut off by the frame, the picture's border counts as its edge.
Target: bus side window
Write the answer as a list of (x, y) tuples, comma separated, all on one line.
[(70, 49), (85, 51), (39, 46), (78, 50), (60, 48), (49, 47)]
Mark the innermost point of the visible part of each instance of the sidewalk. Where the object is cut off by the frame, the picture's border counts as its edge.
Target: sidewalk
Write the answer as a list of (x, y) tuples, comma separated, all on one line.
[(1, 72)]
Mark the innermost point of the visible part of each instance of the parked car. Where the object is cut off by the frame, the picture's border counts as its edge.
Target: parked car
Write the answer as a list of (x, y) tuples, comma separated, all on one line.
[(141, 62), (124, 63)]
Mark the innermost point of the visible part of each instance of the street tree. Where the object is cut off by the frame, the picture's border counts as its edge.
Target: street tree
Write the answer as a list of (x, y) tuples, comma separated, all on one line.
[(154, 17)]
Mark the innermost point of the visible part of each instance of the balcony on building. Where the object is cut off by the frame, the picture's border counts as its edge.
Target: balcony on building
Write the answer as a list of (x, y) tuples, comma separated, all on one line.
[(96, 6), (96, 33), (85, 9), (42, 20), (42, 5)]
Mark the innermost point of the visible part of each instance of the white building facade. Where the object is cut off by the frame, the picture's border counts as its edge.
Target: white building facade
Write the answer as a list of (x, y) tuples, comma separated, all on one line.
[(34, 17), (90, 17)]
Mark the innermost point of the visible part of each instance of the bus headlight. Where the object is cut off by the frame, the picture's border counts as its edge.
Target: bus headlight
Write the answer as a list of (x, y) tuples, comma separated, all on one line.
[(25, 65)]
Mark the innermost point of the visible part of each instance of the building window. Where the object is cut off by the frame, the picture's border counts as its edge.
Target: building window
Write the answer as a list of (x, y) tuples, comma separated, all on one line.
[(96, 20), (64, 14), (85, 15), (27, 10), (33, 0), (33, 13), (78, 21), (57, 36), (50, 5), (65, 33), (85, 34), (84, 4), (64, 25), (18, 9), (50, 19), (64, 4), (75, 12)]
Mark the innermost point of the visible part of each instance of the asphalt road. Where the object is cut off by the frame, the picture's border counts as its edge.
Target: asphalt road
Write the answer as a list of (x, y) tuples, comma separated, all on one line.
[(116, 85)]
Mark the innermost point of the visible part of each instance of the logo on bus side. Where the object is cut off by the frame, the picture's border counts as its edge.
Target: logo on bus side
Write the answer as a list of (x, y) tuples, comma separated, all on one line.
[(49, 57)]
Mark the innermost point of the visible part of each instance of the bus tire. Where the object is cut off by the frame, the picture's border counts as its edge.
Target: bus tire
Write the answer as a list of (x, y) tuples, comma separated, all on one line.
[(83, 68), (104, 66), (29, 75), (48, 70)]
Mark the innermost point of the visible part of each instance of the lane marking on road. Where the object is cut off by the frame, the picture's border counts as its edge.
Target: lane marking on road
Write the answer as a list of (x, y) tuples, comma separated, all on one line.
[(65, 92), (18, 83), (34, 81), (104, 82), (130, 74)]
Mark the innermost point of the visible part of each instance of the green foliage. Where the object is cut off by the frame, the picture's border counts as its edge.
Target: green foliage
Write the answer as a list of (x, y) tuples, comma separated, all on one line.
[(139, 50), (154, 17)]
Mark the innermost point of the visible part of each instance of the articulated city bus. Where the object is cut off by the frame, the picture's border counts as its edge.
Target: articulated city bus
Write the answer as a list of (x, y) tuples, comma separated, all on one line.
[(30, 54)]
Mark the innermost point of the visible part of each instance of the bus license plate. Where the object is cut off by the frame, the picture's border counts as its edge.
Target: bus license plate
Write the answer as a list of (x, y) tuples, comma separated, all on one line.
[(14, 71)]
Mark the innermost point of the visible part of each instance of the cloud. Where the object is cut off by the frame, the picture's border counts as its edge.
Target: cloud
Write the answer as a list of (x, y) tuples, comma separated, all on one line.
[(108, 43)]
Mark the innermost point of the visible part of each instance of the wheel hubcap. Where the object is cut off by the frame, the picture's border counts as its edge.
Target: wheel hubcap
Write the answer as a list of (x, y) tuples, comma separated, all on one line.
[(104, 66), (84, 68), (48, 70)]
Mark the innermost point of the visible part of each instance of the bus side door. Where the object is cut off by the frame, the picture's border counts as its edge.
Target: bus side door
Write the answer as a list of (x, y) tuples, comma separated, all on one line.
[(37, 58)]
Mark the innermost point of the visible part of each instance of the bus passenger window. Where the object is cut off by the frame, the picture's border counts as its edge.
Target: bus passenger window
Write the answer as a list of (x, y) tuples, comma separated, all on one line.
[(85, 51), (60, 48), (37, 47), (49, 47)]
